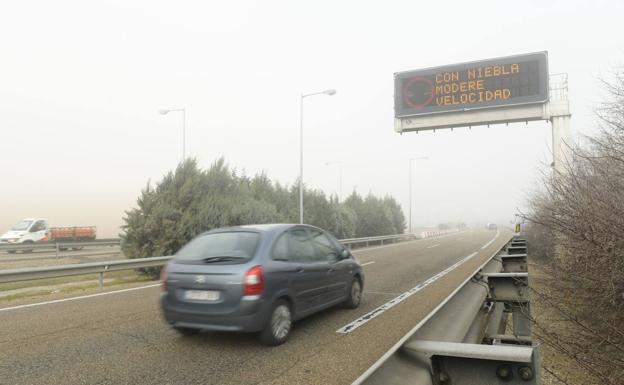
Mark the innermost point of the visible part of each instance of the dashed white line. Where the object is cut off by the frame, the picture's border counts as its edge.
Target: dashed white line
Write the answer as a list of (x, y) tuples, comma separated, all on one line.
[(432, 246), (379, 310), (368, 263), (490, 242), (395, 301), (365, 249), (77, 298), (380, 293)]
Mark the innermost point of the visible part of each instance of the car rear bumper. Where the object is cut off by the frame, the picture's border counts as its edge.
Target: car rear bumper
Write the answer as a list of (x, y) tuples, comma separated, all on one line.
[(250, 316)]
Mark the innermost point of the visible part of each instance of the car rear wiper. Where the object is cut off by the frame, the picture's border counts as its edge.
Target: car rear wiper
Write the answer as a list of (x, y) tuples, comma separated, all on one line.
[(221, 258)]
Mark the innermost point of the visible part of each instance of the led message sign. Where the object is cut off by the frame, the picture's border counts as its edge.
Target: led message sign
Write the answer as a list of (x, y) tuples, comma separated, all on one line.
[(512, 80)]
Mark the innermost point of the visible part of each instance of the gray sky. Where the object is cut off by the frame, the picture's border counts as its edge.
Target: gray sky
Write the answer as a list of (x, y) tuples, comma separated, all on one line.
[(81, 82)]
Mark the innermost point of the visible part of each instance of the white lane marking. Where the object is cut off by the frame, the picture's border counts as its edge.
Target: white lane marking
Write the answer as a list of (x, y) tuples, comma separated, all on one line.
[(490, 242), (348, 328), (158, 284), (364, 249), (379, 293), (400, 342), (432, 246), (77, 298), (384, 246)]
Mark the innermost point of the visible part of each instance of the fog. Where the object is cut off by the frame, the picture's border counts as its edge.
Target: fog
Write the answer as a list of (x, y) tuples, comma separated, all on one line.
[(81, 83)]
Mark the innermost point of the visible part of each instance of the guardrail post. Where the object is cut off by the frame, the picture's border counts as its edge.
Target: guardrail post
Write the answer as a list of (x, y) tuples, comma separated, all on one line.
[(465, 341), (512, 288), (382, 242), (101, 281), (57, 250), (471, 364)]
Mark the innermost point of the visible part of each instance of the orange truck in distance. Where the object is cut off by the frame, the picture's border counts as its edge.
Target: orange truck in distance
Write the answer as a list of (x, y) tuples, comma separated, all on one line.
[(36, 230), (72, 233)]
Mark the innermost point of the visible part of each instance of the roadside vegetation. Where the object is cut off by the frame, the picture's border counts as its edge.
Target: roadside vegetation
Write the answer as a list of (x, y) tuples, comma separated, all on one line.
[(576, 236), (61, 286), (190, 200)]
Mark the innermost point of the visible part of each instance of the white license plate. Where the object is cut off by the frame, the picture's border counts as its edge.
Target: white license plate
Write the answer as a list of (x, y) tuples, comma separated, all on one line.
[(201, 295)]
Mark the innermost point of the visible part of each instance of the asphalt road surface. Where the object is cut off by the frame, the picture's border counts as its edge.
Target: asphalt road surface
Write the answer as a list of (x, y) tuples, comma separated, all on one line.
[(121, 338)]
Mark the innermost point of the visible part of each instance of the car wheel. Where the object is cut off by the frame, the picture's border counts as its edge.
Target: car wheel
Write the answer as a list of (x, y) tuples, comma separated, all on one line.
[(27, 251), (278, 326), (186, 331), (355, 295)]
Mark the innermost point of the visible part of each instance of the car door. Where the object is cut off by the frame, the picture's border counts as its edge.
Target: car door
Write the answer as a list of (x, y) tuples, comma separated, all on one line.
[(304, 276), (337, 269), (38, 230)]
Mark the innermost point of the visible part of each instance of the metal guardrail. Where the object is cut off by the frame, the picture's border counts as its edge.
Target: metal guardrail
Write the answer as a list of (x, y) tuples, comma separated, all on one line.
[(59, 255), (116, 241), (31, 273), (27, 274), (59, 245), (466, 340), (395, 237), (381, 239)]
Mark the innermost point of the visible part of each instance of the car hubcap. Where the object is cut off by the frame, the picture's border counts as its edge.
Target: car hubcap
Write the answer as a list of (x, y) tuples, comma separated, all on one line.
[(280, 321), (355, 292)]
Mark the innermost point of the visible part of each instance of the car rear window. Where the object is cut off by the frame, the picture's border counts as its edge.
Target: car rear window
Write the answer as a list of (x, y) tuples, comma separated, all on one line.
[(232, 247)]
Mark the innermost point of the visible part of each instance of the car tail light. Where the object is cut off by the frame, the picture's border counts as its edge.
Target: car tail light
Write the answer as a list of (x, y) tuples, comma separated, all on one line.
[(163, 278), (253, 282)]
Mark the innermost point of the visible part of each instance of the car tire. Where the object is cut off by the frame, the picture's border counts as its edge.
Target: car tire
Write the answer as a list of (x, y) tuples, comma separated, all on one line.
[(278, 325), (354, 296), (27, 251), (186, 331)]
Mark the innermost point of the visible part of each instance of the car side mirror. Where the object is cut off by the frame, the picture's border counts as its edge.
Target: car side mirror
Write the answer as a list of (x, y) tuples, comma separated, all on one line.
[(344, 254)]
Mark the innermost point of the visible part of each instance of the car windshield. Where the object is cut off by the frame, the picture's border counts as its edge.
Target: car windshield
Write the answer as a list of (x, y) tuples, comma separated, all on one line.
[(22, 226), (230, 247)]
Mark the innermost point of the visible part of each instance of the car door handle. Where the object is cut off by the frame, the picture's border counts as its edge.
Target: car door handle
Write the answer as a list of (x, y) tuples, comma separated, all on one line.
[(299, 270), (330, 270)]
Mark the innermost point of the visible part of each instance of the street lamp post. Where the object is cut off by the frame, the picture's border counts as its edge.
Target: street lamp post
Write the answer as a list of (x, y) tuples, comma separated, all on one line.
[(183, 110), (326, 92), (339, 163), (410, 190)]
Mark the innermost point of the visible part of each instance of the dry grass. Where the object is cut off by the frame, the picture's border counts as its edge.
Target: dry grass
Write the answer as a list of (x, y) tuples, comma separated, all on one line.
[(569, 350), (41, 289)]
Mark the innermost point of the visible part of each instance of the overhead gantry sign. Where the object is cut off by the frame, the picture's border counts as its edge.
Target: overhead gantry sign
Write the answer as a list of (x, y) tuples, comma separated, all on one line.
[(460, 94)]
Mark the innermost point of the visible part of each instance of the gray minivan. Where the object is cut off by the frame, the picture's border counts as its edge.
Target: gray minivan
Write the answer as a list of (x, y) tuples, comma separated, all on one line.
[(258, 278)]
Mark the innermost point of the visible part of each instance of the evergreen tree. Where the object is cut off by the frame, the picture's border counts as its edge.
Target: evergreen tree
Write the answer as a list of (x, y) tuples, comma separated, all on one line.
[(189, 201)]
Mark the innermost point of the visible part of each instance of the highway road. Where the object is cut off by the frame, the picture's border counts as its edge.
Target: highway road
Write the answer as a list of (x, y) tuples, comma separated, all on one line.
[(120, 337)]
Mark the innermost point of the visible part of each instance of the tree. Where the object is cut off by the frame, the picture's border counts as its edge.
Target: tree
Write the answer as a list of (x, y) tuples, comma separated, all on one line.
[(576, 222), (189, 201)]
